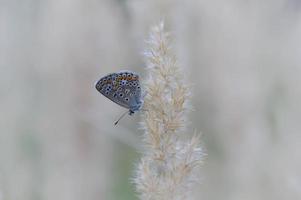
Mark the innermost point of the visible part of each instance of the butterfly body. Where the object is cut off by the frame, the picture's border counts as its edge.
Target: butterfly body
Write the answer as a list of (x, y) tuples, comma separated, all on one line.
[(122, 88)]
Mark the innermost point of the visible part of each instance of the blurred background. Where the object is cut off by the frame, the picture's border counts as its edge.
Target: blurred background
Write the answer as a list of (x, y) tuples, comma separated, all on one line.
[(57, 134)]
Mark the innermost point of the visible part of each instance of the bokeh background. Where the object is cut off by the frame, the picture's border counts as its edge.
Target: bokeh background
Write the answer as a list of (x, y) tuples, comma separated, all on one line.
[(57, 138)]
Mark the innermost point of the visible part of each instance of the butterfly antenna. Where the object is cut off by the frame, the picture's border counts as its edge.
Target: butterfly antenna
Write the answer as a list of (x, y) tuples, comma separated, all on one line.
[(121, 117)]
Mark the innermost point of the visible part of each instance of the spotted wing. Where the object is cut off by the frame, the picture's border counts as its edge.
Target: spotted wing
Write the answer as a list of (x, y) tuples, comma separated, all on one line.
[(122, 88)]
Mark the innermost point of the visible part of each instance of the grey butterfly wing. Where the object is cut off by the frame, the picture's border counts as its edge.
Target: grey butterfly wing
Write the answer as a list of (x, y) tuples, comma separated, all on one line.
[(132, 93), (122, 88), (107, 87)]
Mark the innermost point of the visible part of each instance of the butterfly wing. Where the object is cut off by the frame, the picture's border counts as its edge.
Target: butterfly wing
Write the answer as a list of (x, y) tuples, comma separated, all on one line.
[(122, 88)]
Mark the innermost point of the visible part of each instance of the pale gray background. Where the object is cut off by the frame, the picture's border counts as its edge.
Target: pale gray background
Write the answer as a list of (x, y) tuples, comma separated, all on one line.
[(57, 138)]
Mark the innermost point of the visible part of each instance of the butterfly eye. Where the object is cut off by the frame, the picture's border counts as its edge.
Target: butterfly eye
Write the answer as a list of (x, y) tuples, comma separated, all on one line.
[(127, 99), (123, 75), (107, 92), (129, 75), (130, 84), (138, 87), (121, 94), (134, 84)]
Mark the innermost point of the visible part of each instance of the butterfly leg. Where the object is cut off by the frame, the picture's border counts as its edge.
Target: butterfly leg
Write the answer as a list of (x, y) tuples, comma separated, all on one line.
[(131, 112)]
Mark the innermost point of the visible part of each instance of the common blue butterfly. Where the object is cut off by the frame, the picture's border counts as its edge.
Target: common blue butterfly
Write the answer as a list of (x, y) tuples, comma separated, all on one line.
[(122, 88)]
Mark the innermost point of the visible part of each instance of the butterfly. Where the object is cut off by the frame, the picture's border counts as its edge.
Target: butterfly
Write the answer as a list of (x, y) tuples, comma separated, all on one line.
[(122, 88)]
